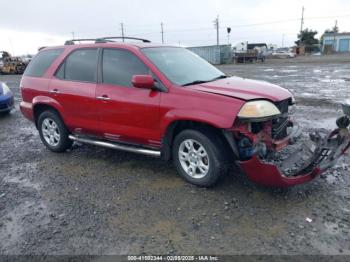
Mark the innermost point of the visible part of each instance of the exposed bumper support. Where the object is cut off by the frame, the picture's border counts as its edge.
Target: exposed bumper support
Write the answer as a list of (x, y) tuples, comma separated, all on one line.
[(323, 155)]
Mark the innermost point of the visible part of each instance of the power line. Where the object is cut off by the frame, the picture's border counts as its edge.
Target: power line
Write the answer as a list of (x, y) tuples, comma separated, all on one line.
[(235, 26)]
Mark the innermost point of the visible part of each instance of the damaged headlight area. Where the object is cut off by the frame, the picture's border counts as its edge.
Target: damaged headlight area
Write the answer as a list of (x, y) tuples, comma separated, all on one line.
[(263, 127)]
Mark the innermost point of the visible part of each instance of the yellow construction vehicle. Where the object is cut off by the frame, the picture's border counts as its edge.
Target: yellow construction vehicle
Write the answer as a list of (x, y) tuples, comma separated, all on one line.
[(11, 64)]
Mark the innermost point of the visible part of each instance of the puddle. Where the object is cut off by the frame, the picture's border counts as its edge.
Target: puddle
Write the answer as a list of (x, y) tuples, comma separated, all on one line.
[(332, 80), (289, 70), (19, 221), (23, 178)]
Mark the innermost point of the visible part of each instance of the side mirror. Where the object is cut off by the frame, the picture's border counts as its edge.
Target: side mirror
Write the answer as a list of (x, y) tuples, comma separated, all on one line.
[(143, 81)]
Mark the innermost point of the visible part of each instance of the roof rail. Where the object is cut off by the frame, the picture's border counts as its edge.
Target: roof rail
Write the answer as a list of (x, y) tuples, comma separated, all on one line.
[(126, 37), (105, 39), (71, 42)]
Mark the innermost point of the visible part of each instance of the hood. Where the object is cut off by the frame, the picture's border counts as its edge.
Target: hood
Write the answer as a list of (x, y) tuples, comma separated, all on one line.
[(245, 89)]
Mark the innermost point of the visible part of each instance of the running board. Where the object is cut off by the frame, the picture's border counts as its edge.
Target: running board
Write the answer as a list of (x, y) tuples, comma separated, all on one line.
[(127, 148)]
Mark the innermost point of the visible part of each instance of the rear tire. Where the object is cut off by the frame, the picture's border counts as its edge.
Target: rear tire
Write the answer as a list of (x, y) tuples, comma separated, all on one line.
[(199, 157), (53, 132)]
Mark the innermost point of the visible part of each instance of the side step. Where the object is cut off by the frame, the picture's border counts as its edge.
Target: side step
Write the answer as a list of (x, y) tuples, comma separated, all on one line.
[(127, 148)]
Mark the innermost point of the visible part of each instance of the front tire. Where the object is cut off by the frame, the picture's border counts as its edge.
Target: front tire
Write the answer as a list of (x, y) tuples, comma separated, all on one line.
[(198, 157), (53, 132)]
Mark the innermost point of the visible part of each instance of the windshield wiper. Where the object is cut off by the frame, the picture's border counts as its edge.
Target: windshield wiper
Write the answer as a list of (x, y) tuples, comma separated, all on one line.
[(196, 82), (219, 77)]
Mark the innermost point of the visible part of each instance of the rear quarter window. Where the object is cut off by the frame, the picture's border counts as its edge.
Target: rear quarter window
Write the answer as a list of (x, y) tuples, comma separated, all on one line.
[(81, 65), (42, 61)]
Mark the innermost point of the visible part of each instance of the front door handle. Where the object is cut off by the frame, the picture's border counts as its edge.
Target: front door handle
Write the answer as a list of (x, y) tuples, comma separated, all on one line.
[(54, 91), (104, 97)]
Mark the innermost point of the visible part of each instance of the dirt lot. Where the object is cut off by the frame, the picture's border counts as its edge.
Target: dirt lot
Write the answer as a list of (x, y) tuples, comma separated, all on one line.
[(92, 200)]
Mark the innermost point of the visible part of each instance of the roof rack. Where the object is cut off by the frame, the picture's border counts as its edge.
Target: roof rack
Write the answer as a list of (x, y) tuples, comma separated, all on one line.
[(105, 39)]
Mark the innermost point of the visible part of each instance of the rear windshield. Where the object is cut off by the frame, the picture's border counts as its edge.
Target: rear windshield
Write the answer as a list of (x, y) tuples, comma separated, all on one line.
[(41, 62)]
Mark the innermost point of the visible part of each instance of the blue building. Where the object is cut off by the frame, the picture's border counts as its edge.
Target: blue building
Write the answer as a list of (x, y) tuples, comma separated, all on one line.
[(340, 42)]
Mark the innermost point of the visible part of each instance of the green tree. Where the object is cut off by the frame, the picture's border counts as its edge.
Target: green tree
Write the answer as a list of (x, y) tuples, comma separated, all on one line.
[(307, 37), (335, 29)]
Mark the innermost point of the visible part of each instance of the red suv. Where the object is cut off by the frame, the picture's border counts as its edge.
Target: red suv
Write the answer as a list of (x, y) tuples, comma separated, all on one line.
[(161, 101)]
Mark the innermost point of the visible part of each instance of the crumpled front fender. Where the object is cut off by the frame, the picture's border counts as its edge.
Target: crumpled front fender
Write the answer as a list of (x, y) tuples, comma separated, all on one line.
[(269, 175)]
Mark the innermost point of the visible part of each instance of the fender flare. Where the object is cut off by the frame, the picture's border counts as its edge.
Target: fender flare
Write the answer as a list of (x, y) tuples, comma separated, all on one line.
[(205, 117), (198, 116), (48, 101)]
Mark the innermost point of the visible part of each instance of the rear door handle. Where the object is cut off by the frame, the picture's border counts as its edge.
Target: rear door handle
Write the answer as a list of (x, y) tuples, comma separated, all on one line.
[(104, 98), (54, 91)]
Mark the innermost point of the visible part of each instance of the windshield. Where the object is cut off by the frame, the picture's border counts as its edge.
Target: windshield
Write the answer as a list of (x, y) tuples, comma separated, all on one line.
[(181, 66)]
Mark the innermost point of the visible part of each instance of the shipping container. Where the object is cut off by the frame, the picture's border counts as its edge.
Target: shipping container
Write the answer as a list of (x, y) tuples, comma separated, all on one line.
[(216, 54)]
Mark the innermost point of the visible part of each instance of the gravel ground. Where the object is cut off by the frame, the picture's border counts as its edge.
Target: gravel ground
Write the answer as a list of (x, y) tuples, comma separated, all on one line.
[(97, 201)]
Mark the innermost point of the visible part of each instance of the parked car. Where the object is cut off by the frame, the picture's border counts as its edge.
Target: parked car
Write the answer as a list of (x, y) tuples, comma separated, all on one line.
[(283, 54), (160, 101), (6, 99)]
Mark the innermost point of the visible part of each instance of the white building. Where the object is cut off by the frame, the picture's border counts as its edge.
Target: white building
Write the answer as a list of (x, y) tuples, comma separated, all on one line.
[(339, 41)]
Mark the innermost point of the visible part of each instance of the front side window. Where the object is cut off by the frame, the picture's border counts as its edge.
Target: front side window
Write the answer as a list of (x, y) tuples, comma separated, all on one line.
[(41, 62), (81, 65), (181, 66), (118, 67)]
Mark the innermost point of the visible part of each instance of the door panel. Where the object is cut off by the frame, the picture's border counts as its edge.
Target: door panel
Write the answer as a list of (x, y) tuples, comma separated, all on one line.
[(127, 113), (79, 103), (74, 88), (130, 115)]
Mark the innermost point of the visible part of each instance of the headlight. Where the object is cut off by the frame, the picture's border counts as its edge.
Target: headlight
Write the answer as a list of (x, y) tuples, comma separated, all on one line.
[(258, 109), (5, 89)]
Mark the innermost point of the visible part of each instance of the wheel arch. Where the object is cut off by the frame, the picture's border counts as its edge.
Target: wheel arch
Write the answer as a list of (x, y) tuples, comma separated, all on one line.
[(176, 126), (41, 106)]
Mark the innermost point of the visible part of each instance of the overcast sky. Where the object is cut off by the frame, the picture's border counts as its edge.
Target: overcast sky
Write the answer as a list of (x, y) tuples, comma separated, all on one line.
[(28, 24)]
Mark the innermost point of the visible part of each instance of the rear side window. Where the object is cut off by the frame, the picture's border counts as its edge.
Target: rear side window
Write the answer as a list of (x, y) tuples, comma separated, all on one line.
[(118, 67), (41, 62), (81, 65)]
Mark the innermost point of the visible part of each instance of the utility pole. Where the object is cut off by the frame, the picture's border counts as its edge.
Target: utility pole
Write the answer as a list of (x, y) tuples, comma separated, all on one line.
[(216, 25), (122, 27), (282, 40), (302, 20), (162, 32), (73, 35), (334, 33), (228, 34)]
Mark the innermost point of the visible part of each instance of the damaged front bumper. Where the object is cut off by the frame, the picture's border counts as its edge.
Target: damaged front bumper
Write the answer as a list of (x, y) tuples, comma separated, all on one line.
[(270, 175), (304, 164)]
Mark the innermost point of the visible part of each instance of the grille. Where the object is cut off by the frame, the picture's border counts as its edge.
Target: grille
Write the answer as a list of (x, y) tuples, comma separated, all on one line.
[(280, 124)]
